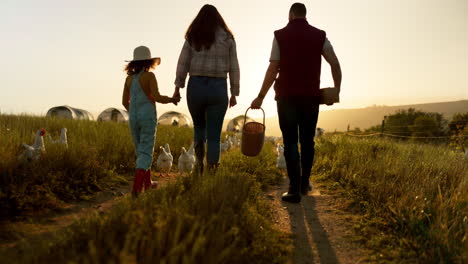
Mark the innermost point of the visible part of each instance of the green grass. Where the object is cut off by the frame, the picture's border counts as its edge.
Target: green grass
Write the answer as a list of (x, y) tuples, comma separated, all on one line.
[(414, 196), (217, 218), (97, 156), (220, 218)]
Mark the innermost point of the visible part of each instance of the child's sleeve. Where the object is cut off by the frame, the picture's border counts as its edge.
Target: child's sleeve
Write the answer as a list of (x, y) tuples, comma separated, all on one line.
[(154, 90), (126, 94)]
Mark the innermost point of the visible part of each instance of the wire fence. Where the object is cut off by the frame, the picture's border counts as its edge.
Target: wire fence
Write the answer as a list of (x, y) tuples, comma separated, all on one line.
[(400, 136)]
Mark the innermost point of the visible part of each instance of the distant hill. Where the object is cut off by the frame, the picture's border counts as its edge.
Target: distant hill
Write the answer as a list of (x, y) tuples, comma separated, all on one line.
[(339, 119)]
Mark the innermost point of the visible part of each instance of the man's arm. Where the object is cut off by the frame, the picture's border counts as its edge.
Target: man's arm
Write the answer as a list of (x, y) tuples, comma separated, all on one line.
[(270, 77), (330, 56)]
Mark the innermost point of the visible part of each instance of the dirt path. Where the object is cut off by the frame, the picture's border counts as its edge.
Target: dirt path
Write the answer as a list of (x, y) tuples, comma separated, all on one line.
[(42, 225), (320, 228)]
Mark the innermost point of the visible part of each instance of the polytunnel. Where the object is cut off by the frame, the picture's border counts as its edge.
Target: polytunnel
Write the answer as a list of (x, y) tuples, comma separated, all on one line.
[(236, 124), (114, 115), (173, 118), (69, 112)]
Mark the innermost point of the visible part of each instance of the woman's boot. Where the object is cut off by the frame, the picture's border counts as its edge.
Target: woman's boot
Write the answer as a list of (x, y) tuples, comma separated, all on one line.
[(200, 155)]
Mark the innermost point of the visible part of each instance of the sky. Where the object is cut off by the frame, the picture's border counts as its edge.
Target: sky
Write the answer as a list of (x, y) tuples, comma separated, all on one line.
[(56, 52)]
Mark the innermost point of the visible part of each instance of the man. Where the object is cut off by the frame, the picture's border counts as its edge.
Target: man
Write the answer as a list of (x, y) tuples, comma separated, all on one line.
[(297, 56)]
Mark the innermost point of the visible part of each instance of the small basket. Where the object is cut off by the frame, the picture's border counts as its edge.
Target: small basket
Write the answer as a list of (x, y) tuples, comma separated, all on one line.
[(253, 136)]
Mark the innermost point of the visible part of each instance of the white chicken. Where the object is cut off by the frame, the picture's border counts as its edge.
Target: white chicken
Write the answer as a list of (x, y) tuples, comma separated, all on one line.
[(280, 161), (186, 161), (165, 159), (34, 151), (62, 140), (319, 132), (234, 141), (191, 151), (278, 146), (168, 150), (226, 145)]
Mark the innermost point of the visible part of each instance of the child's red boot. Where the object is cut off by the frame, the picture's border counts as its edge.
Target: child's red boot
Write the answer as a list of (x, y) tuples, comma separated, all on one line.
[(148, 182), (138, 182)]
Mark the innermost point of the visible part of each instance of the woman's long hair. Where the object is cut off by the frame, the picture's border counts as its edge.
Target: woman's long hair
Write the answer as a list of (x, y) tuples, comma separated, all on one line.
[(201, 33)]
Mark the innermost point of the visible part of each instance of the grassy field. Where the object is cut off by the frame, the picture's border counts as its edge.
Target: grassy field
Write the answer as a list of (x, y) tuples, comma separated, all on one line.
[(220, 218), (99, 155), (413, 196)]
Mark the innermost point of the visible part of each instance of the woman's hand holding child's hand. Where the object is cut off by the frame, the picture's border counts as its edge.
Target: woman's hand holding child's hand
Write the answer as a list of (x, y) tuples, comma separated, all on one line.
[(176, 96), (175, 100)]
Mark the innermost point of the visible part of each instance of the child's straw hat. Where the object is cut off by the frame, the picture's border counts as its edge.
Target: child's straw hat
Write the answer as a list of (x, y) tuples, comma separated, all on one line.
[(143, 53)]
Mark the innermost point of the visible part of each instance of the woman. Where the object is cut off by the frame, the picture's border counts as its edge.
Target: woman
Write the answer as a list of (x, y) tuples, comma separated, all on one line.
[(209, 55), (139, 97)]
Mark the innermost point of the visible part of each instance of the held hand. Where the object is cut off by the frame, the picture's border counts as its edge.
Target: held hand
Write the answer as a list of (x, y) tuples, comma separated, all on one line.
[(176, 93), (175, 100), (232, 101), (176, 96), (257, 103)]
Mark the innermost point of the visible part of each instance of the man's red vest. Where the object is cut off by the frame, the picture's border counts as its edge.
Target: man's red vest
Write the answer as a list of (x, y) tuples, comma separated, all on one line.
[(300, 47)]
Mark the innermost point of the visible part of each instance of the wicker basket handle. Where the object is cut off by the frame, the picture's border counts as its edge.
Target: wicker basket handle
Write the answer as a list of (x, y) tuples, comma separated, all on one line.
[(245, 116)]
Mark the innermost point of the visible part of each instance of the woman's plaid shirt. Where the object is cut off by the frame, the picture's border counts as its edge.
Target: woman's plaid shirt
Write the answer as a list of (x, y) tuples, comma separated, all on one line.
[(217, 61)]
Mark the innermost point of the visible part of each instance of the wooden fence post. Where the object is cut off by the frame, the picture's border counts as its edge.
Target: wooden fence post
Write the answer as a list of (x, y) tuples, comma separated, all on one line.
[(382, 128)]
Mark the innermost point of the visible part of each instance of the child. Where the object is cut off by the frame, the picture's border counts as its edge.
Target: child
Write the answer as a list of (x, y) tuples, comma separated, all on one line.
[(139, 98)]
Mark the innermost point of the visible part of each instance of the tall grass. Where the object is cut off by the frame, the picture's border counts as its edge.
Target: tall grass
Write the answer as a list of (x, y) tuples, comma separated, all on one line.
[(217, 218), (98, 152), (414, 195)]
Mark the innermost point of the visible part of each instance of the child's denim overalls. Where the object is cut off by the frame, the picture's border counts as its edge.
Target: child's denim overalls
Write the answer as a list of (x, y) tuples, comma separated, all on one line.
[(142, 124)]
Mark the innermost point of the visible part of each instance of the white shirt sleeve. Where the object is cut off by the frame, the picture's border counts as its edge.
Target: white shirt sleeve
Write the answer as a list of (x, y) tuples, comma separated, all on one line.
[(328, 53), (275, 51)]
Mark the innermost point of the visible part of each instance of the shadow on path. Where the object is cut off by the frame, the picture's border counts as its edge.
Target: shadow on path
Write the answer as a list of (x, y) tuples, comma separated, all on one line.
[(311, 242)]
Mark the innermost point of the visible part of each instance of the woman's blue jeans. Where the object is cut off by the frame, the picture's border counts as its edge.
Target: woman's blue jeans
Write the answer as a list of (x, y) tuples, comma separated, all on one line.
[(207, 100)]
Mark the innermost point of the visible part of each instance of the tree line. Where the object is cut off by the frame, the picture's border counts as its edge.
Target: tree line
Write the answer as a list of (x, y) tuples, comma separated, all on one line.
[(412, 123)]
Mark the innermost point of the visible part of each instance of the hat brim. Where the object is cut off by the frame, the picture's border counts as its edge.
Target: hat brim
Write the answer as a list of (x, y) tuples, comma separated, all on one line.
[(158, 60)]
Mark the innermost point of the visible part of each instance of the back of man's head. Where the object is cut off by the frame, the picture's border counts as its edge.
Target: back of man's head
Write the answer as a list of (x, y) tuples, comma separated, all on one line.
[(298, 10)]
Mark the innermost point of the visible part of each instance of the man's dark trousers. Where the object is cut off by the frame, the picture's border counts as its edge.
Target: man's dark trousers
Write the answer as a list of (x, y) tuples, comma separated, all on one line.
[(298, 121)]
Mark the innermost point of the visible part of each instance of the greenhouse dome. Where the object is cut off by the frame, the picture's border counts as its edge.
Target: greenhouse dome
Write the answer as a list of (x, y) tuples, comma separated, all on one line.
[(236, 124), (69, 112), (173, 118), (114, 115)]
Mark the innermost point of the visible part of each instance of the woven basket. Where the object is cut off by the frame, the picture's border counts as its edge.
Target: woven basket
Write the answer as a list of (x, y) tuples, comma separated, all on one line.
[(253, 136)]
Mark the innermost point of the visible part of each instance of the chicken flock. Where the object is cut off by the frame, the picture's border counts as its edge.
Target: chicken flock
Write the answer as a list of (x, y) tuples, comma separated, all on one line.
[(32, 152), (185, 163)]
